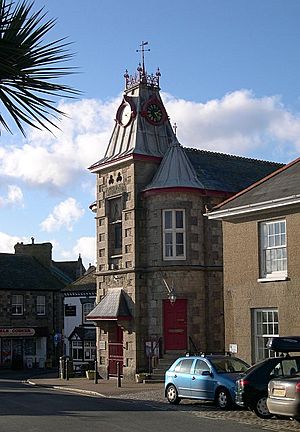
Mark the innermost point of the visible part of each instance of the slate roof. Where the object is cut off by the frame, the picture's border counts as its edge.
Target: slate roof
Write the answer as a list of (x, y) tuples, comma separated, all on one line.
[(175, 170), (228, 173), (111, 307), (70, 269), (139, 137), (281, 184), (86, 283), (23, 272), (84, 333)]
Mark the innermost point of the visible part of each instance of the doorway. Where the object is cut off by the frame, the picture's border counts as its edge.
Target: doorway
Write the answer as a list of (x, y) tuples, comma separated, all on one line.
[(115, 349), (175, 324)]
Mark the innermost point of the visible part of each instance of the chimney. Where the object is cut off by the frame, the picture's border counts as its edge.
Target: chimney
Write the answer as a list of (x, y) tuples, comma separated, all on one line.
[(79, 268), (42, 251)]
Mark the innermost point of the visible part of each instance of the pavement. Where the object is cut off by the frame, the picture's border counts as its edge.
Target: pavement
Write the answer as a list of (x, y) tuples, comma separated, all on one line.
[(104, 387)]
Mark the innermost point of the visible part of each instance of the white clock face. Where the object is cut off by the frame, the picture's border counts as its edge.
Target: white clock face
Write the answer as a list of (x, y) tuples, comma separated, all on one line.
[(125, 115)]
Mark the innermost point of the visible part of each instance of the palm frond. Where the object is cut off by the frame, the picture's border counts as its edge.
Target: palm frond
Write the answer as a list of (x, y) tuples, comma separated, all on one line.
[(29, 66)]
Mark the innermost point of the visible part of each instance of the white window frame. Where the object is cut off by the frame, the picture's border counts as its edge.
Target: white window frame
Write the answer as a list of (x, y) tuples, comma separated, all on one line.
[(265, 325), (77, 349), (89, 350), (87, 307), (173, 231), (266, 247), (17, 304), (41, 305)]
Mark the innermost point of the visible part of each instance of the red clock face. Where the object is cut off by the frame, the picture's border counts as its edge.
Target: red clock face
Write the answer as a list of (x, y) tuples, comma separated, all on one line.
[(154, 113)]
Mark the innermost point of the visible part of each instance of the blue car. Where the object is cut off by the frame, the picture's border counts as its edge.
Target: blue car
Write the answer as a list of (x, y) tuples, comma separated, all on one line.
[(206, 377)]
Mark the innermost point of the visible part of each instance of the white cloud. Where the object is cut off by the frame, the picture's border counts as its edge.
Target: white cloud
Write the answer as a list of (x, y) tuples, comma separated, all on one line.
[(46, 159), (238, 123), (86, 247), (14, 197), (65, 214), (7, 242)]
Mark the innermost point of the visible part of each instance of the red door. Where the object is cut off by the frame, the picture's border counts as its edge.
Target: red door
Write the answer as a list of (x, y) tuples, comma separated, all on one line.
[(175, 324), (115, 349)]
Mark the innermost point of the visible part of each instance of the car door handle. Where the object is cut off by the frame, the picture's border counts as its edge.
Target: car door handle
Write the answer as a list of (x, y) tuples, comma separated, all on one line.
[(193, 378), (175, 376)]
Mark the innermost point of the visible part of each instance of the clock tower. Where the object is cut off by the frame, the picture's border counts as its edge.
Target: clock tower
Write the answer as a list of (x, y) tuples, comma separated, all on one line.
[(141, 137)]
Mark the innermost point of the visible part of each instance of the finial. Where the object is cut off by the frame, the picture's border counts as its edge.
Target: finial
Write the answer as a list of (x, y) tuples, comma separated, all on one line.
[(175, 128), (142, 51), (126, 76)]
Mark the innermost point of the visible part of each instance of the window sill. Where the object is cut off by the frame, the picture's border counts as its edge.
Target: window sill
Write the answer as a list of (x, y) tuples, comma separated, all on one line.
[(273, 279), (174, 258)]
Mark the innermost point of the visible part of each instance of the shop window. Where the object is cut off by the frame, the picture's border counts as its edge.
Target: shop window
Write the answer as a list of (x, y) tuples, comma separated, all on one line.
[(77, 350), (89, 350), (30, 347)]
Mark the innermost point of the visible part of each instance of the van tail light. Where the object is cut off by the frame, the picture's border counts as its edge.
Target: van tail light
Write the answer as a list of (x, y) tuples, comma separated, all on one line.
[(243, 383), (298, 387)]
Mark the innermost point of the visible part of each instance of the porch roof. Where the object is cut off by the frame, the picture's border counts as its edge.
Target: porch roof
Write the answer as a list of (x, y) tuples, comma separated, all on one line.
[(113, 306)]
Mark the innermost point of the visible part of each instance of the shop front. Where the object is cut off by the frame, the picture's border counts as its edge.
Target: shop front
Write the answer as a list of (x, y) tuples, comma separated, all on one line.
[(22, 347)]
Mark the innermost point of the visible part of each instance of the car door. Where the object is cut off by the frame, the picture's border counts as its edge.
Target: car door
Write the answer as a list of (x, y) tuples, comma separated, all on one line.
[(182, 377), (202, 381)]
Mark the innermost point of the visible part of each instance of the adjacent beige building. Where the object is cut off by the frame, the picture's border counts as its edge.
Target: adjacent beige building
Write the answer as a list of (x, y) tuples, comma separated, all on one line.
[(261, 236)]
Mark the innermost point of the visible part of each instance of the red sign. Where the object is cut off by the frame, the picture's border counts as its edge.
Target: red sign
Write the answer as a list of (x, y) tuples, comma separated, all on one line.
[(18, 331)]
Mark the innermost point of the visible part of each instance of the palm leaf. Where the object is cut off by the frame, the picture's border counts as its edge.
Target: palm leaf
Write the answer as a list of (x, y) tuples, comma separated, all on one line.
[(29, 67)]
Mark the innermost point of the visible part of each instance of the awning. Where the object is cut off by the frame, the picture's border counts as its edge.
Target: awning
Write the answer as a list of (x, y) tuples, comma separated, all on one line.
[(113, 307)]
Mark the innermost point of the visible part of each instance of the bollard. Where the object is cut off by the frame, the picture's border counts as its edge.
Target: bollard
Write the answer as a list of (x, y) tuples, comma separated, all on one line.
[(61, 368), (107, 372), (67, 369), (96, 373), (118, 375)]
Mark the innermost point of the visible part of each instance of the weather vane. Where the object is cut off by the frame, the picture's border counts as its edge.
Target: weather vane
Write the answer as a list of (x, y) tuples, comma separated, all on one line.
[(142, 51)]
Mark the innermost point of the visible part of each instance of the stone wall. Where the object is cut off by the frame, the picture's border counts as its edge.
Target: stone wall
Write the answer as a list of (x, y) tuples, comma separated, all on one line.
[(140, 269)]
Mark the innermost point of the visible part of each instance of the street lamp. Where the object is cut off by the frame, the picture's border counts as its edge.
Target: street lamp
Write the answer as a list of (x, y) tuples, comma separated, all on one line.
[(172, 296), (171, 292)]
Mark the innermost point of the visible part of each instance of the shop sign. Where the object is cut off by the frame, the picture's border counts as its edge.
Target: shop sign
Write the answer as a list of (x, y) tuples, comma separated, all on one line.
[(70, 310), (16, 332)]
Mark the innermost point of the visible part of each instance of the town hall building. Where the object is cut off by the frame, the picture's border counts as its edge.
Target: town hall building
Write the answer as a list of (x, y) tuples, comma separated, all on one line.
[(159, 267)]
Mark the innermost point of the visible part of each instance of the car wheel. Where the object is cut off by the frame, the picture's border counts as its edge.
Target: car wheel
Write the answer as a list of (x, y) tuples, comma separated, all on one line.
[(223, 399), (172, 395), (260, 408)]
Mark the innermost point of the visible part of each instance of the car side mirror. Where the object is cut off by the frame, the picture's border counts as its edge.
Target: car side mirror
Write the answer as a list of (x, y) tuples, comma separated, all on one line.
[(206, 373)]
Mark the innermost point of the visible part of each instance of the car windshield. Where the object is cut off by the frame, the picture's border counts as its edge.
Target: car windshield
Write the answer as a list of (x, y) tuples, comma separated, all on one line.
[(229, 364)]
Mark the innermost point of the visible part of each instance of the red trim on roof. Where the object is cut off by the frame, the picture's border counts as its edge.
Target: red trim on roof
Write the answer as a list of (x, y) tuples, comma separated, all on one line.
[(264, 179), (106, 318), (135, 156), (198, 191), (138, 156)]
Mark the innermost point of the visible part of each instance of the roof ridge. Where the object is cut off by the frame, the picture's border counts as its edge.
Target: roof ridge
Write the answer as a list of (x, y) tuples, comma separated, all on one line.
[(230, 156), (281, 169)]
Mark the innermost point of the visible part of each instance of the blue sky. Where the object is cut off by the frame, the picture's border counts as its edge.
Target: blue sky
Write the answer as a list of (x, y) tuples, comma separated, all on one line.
[(230, 80)]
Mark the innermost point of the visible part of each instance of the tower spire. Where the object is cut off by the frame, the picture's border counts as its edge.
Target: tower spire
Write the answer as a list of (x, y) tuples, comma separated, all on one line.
[(142, 50)]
